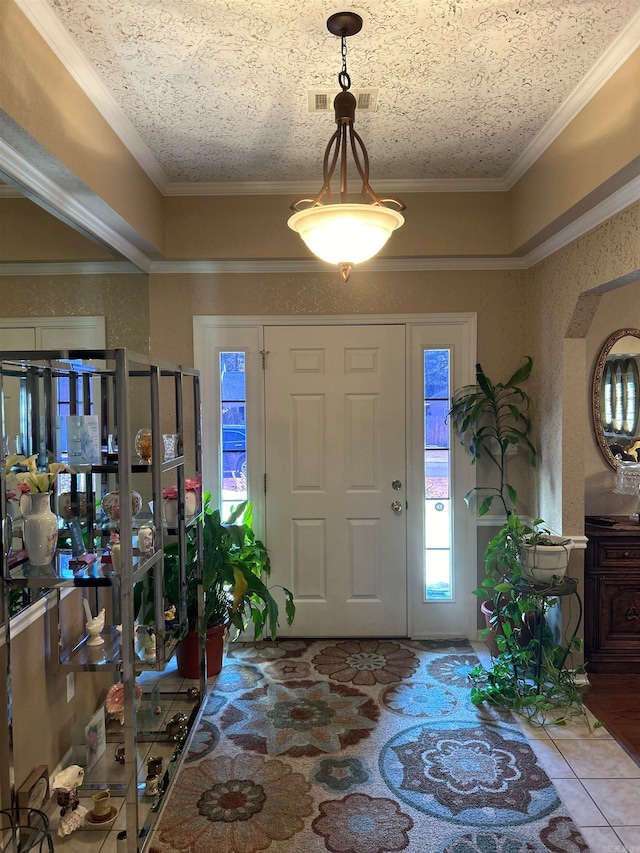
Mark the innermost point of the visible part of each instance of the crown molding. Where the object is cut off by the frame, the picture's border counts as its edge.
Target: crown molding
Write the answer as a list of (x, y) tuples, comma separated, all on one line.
[(617, 201), (66, 268), (302, 265), (627, 41), (48, 25), (7, 191), (384, 186), (50, 195)]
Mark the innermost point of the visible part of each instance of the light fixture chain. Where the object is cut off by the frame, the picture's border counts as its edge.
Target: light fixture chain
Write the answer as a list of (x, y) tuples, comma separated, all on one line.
[(343, 77)]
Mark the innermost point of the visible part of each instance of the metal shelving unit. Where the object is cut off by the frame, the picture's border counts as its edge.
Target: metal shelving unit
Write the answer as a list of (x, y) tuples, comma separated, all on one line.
[(127, 391)]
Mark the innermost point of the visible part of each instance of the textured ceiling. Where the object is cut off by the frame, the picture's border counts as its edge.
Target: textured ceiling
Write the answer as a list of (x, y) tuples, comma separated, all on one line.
[(217, 88)]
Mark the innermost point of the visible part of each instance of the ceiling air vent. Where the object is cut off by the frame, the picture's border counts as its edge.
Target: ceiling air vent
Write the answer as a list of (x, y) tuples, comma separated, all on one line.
[(321, 100)]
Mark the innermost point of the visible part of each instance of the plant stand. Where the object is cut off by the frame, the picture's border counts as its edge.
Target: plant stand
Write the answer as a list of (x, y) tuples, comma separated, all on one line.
[(569, 586)]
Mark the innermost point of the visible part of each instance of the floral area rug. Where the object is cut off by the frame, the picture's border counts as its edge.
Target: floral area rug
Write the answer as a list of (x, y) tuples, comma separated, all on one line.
[(358, 746)]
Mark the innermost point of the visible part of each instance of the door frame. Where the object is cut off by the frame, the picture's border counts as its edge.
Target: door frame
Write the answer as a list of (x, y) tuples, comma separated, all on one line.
[(205, 328)]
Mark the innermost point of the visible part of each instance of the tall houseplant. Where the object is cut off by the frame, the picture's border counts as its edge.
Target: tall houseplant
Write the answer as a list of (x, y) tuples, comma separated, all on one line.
[(527, 673), (235, 568), (490, 418)]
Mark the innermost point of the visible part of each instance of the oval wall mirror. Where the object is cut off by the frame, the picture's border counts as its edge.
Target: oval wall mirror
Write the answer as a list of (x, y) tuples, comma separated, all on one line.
[(615, 397)]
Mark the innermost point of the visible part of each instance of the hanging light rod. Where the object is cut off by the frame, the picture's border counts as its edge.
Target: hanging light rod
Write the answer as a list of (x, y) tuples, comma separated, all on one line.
[(341, 232)]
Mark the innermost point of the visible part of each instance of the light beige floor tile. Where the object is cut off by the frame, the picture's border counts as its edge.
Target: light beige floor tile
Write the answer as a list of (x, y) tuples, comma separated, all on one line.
[(593, 759), (603, 839), (529, 731), (578, 728), (581, 807), (551, 759), (617, 799), (630, 837)]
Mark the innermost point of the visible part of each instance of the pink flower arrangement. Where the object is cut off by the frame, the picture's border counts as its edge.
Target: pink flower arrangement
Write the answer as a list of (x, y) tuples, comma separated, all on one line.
[(193, 484)]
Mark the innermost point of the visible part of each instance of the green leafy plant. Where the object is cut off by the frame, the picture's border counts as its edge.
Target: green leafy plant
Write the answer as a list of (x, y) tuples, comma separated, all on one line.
[(235, 568), (528, 674), (489, 418)]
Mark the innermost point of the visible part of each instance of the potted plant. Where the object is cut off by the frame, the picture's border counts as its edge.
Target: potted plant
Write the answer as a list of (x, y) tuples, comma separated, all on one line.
[(235, 565), (528, 673), (544, 556), (491, 418)]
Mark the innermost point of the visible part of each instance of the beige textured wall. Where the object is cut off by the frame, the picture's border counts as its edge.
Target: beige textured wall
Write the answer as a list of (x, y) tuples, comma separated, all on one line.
[(503, 328), (560, 323), (435, 224), (122, 299)]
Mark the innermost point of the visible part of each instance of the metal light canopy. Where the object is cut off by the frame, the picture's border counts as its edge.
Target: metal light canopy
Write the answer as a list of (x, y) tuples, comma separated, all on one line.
[(345, 233)]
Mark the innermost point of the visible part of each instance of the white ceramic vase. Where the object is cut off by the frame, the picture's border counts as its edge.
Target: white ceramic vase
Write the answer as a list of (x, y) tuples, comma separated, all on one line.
[(40, 530)]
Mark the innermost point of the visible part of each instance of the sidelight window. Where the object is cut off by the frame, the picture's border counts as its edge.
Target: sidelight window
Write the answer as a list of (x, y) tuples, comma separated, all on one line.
[(233, 430), (437, 468)]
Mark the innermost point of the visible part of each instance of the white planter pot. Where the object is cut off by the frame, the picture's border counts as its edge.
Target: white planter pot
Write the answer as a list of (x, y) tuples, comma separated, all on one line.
[(544, 562)]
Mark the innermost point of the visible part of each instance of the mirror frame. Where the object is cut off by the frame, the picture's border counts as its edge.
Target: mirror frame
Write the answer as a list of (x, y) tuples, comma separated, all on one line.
[(596, 391)]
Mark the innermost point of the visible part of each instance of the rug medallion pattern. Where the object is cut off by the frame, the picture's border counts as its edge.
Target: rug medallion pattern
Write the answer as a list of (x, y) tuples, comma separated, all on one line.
[(360, 746)]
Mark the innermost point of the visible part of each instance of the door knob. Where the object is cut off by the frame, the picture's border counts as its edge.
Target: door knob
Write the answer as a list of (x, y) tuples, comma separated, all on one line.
[(396, 506)]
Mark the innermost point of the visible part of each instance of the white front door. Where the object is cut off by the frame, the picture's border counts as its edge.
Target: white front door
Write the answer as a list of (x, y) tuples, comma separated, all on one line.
[(335, 476)]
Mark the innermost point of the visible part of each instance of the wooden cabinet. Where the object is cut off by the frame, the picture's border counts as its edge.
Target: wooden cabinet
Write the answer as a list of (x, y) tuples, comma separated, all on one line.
[(612, 595)]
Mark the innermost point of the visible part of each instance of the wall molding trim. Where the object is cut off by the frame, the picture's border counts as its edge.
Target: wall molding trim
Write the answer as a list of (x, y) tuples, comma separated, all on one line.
[(45, 192)]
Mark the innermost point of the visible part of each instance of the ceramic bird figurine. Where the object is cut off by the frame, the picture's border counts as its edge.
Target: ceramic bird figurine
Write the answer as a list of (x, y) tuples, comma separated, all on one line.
[(94, 625)]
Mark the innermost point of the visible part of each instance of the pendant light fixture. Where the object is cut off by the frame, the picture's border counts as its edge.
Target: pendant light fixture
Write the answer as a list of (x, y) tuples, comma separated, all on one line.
[(342, 232)]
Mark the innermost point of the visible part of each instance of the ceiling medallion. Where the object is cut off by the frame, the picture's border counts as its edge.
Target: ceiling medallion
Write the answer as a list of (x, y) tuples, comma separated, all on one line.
[(342, 232)]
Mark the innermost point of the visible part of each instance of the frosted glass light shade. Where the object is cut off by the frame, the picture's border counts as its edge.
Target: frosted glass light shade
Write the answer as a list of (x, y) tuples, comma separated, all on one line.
[(345, 233)]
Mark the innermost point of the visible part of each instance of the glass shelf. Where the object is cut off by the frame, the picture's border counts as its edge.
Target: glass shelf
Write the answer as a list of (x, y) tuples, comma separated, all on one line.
[(70, 571)]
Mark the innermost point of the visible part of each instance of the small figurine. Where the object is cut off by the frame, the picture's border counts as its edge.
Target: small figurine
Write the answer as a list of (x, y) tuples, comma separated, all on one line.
[(94, 625), (66, 784), (169, 617), (150, 646)]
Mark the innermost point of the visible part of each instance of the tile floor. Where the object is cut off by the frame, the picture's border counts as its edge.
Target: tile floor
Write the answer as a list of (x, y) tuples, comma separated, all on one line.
[(595, 778)]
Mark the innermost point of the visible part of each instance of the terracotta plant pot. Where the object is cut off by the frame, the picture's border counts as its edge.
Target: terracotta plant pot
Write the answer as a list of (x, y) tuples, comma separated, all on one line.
[(526, 634), (187, 653)]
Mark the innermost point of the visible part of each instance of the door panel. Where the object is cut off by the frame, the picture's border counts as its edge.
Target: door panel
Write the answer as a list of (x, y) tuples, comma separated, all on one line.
[(335, 441)]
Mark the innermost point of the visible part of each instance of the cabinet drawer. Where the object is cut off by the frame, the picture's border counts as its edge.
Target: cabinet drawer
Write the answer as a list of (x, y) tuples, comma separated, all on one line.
[(619, 554)]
